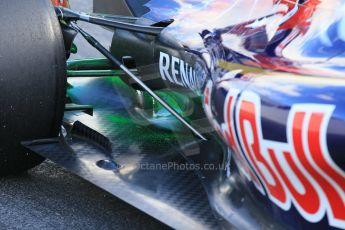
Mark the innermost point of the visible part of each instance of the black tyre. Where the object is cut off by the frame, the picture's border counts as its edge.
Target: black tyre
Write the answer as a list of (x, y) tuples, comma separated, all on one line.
[(32, 80)]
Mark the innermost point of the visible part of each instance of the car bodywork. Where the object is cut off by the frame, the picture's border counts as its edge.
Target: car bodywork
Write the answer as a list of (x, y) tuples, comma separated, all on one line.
[(262, 79)]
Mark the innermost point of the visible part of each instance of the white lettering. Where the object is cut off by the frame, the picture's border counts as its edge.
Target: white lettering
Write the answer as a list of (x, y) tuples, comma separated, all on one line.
[(174, 71), (164, 61)]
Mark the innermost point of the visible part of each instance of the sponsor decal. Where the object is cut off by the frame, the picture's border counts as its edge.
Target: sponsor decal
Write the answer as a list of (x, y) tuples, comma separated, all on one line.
[(179, 72), (299, 172), (63, 3)]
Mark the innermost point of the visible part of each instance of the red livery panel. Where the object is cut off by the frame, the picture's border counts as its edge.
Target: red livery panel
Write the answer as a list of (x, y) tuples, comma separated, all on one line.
[(63, 3)]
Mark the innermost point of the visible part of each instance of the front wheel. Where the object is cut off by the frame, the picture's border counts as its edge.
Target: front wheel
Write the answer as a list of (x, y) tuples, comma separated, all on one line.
[(32, 80)]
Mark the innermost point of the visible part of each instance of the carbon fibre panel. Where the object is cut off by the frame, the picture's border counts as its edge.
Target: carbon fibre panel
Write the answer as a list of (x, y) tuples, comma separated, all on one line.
[(175, 197)]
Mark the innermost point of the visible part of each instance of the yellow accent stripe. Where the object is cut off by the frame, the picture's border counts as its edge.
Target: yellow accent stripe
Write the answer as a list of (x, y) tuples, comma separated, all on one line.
[(244, 69)]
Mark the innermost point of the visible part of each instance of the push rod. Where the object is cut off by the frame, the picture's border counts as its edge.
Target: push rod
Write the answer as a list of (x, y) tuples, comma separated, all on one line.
[(114, 60)]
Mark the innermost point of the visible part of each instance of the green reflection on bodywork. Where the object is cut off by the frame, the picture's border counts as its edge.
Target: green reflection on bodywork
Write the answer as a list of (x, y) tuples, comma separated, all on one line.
[(74, 48), (120, 119), (173, 99), (116, 81), (178, 101), (138, 133), (153, 112)]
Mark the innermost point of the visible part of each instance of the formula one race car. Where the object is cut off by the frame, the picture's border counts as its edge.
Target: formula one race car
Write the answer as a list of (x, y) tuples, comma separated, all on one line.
[(203, 114)]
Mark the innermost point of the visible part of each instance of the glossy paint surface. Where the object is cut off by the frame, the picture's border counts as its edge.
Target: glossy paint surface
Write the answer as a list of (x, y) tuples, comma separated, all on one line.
[(63, 3), (274, 94)]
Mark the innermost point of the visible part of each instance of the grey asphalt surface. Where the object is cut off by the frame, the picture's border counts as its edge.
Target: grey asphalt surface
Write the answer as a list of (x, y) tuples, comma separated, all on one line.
[(49, 197)]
